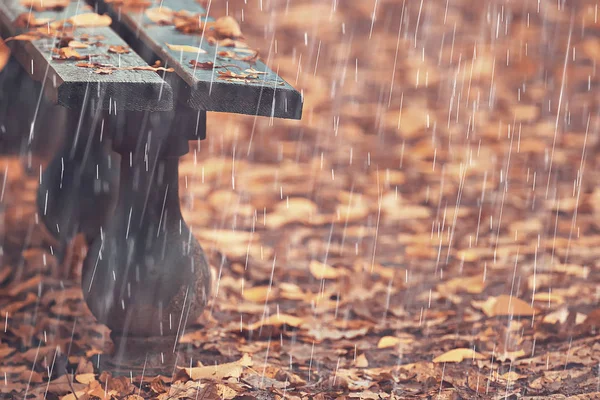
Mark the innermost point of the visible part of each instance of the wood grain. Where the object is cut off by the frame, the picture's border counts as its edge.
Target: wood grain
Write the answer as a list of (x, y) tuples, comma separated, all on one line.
[(268, 96), (67, 84)]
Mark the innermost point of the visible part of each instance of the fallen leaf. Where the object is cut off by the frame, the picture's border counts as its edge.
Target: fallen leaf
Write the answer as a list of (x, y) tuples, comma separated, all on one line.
[(222, 371), (323, 271), (505, 305), (392, 341), (185, 48), (277, 320), (103, 71), (254, 72), (4, 54), (207, 65), (361, 361), (118, 49), (85, 378), (74, 44), (227, 27), (160, 15), (257, 294), (45, 5), (67, 53), (90, 20), (458, 355)]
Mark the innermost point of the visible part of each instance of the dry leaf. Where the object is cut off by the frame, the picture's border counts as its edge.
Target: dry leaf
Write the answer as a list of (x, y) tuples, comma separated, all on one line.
[(473, 284), (4, 54), (227, 27), (458, 355), (45, 5), (185, 48), (119, 49), (160, 15), (276, 320), (90, 20), (67, 53), (505, 305), (323, 271), (258, 294), (222, 371), (74, 44), (361, 361), (208, 65), (392, 341)]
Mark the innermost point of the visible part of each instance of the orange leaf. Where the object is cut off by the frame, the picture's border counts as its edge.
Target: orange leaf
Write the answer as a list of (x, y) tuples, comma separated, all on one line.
[(458, 355), (44, 5), (89, 20), (4, 54), (227, 27)]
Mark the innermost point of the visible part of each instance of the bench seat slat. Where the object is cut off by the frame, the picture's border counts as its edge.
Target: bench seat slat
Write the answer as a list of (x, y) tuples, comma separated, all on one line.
[(269, 95), (66, 83)]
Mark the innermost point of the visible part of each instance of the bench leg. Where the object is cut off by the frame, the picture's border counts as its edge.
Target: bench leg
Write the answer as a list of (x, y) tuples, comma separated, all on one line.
[(146, 276), (78, 188)]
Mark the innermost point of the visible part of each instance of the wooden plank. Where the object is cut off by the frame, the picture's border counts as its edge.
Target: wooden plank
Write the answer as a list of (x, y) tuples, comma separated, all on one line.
[(269, 95), (68, 84)]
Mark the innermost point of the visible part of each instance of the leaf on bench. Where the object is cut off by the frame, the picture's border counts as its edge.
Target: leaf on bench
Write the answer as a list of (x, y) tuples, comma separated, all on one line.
[(89, 20), (119, 49), (45, 5), (185, 48)]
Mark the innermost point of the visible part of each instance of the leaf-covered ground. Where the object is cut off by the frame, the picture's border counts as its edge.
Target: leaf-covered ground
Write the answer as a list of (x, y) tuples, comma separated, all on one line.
[(428, 230)]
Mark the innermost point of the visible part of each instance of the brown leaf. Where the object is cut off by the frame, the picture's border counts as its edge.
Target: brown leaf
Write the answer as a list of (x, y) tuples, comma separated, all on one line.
[(45, 5), (207, 65), (119, 49), (67, 53), (103, 71)]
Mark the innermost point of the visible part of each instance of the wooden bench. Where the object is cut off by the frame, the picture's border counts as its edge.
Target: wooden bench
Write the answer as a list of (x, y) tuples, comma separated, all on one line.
[(145, 275)]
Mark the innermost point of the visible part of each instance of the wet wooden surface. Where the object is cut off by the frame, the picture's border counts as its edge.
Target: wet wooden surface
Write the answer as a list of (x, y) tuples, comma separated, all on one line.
[(437, 202), (68, 84), (269, 95)]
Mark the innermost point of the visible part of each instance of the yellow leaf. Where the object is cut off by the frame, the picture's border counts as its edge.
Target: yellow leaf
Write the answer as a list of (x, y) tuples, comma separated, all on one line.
[(277, 320), (258, 294), (222, 371), (324, 271), (185, 48), (227, 27), (458, 355), (85, 378), (392, 341), (74, 44), (89, 20), (160, 15), (361, 361), (505, 305)]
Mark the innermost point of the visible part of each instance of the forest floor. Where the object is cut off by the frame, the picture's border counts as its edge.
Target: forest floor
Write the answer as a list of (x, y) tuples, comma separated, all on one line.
[(428, 230)]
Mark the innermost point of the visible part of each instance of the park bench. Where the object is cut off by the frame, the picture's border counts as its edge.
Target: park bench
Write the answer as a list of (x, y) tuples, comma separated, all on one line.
[(144, 276)]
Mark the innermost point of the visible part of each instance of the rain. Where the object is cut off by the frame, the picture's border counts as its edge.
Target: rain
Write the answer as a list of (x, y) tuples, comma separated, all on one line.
[(299, 199)]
